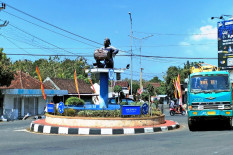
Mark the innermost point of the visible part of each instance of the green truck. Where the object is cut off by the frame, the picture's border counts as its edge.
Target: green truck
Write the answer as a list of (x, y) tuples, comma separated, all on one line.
[(209, 98)]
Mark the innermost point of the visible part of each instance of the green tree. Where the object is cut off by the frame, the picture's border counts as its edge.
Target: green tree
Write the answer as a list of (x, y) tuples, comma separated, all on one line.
[(55, 68), (135, 88), (155, 80), (6, 73), (117, 89), (161, 90), (150, 89), (145, 96), (172, 73)]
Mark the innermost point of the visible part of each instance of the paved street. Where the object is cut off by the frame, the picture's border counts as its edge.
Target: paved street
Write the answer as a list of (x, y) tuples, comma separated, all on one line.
[(14, 140)]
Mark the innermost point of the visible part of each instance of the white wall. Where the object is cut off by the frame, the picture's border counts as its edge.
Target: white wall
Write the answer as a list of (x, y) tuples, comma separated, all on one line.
[(8, 104)]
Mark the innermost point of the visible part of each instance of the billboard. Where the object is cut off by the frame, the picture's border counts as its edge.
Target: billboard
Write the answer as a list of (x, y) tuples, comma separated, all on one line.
[(225, 45)]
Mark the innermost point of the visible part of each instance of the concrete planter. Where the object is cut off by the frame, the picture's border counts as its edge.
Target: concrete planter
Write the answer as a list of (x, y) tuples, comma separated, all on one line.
[(98, 122)]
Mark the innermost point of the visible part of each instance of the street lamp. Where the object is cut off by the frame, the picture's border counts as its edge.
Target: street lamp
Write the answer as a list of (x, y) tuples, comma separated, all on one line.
[(140, 39), (131, 87), (222, 17)]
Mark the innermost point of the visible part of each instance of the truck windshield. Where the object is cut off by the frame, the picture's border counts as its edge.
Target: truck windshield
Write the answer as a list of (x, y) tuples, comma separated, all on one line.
[(210, 83)]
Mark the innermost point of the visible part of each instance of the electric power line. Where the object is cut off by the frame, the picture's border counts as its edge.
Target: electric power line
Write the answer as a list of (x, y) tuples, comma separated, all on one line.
[(49, 29), (52, 25), (40, 39), (176, 34)]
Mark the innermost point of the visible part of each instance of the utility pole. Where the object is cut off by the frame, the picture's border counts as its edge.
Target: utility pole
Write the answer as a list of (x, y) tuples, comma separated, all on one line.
[(140, 39), (131, 87)]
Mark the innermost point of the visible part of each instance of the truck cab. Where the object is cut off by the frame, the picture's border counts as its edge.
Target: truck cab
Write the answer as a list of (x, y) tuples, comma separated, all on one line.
[(209, 97)]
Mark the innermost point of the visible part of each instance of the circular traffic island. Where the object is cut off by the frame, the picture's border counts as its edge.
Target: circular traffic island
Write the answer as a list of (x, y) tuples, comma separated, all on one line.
[(54, 124)]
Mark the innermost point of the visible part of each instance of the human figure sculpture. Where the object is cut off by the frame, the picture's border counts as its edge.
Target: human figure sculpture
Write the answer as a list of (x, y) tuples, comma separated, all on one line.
[(105, 54)]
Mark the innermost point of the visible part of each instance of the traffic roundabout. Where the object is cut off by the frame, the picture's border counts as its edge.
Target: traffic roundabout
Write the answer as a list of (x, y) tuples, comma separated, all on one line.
[(101, 126)]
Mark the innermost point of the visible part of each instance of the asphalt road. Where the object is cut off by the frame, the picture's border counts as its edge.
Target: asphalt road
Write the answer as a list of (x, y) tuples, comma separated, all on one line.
[(209, 140)]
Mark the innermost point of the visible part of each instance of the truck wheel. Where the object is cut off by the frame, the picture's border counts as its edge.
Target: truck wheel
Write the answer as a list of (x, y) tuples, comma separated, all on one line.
[(172, 113), (191, 125), (229, 124)]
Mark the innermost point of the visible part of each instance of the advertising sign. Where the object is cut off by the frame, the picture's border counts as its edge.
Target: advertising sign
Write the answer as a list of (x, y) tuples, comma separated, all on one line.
[(225, 45), (50, 108), (61, 107), (131, 110)]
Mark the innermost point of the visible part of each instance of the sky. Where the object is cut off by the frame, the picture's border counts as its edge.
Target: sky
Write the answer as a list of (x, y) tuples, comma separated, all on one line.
[(180, 29)]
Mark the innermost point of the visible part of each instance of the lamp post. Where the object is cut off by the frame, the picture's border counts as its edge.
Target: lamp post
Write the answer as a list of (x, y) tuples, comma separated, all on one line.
[(140, 39), (131, 87), (222, 17)]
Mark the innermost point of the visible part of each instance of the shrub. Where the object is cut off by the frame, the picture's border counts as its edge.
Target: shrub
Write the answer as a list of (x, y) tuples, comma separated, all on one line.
[(137, 103), (69, 112), (99, 113), (74, 101), (123, 103)]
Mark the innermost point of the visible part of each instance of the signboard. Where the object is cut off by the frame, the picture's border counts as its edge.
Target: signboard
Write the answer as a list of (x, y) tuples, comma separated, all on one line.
[(111, 74), (225, 45), (145, 108), (50, 107), (131, 110), (61, 107), (140, 91), (89, 75)]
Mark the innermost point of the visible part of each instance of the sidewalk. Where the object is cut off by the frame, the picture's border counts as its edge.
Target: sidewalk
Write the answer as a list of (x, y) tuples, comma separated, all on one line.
[(41, 126)]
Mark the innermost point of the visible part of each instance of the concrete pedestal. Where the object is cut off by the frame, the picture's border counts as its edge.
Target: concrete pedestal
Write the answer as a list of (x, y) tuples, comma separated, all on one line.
[(103, 83), (103, 90)]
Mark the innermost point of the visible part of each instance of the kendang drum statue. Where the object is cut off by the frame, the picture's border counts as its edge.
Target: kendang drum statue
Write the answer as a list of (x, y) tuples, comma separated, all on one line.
[(105, 54)]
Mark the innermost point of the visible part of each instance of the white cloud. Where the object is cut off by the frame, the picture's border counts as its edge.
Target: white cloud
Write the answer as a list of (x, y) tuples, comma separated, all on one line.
[(207, 32)]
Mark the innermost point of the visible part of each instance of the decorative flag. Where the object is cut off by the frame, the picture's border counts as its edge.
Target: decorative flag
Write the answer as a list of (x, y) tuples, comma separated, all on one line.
[(76, 83), (42, 87), (179, 88), (93, 88), (175, 92), (129, 91)]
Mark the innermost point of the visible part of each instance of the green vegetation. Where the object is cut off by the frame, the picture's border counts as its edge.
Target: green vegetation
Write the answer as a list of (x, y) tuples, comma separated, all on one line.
[(6, 73), (74, 101), (54, 67), (107, 113)]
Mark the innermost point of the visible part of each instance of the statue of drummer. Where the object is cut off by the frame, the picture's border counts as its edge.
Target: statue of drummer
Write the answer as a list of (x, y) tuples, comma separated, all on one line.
[(105, 54)]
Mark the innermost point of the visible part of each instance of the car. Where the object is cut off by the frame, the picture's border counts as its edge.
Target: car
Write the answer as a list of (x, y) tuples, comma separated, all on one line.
[(112, 101)]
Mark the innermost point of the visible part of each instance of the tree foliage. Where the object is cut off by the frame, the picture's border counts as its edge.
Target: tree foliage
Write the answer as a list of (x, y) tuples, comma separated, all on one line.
[(54, 67), (117, 89), (74, 101), (172, 74), (6, 73), (155, 80), (161, 90), (150, 89), (135, 88)]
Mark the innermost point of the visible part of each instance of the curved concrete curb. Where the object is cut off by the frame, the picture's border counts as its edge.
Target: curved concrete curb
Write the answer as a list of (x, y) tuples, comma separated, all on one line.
[(40, 128)]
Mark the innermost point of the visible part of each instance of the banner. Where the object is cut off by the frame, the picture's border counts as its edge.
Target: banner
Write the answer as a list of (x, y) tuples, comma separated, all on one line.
[(93, 88), (225, 45), (76, 83), (179, 88), (175, 92), (42, 87)]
